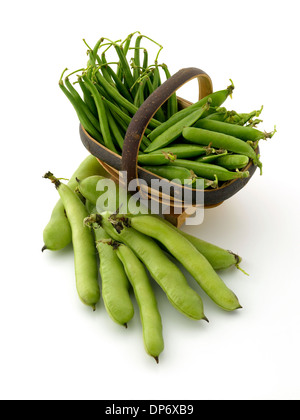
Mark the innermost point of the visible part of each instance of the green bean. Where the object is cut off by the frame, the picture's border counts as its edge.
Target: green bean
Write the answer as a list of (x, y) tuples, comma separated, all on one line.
[(217, 99), (144, 294), (57, 234), (156, 77), (179, 175), (145, 61), (115, 95), (114, 129), (156, 159), (117, 111), (172, 104), (88, 97), (137, 63), (232, 162), (222, 141), (124, 65), (115, 285), (84, 120), (160, 267), (139, 97), (184, 151), (101, 114), (86, 267), (76, 95), (234, 130), (194, 262), (119, 85), (172, 133), (160, 115), (210, 171)]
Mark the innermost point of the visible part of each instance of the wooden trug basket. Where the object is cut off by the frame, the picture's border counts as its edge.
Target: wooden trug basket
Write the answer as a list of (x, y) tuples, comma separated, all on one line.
[(113, 163)]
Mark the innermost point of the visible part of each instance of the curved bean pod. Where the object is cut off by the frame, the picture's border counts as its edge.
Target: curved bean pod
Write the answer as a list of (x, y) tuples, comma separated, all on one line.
[(234, 130), (196, 264), (175, 130), (144, 294), (233, 162), (86, 267), (209, 171), (177, 174), (114, 281)]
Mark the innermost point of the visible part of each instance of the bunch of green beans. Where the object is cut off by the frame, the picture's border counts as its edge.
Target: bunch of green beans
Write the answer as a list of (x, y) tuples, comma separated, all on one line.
[(206, 137), (132, 251)]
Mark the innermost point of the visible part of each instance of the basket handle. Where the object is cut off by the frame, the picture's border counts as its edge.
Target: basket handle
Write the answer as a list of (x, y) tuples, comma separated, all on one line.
[(148, 109)]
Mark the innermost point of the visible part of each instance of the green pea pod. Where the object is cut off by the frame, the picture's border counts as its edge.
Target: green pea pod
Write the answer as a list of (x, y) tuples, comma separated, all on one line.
[(172, 133), (160, 267), (176, 174), (209, 171), (144, 294), (115, 285), (222, 141), (234, 130), (57, 234), (233, 162), (185, 151), (217, 99), (156, 159), (86, 266), (190, 258)]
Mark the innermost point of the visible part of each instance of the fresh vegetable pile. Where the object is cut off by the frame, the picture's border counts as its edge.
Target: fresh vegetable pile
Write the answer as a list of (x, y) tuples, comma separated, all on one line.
[(127, 245), (204, 140)]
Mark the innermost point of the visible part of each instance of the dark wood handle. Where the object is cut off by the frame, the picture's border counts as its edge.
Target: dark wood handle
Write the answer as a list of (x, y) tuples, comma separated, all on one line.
[(148, 109)]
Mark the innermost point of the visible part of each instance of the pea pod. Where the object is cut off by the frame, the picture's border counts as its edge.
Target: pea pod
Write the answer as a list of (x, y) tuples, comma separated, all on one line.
[(172, 133), (115, 285), (222, 141), (209, 171), (177, 174), (86, 267), (217, 99), (190, 258), (156, 159), (185, 151), (161, 269), (233, 162), (57, 234), (144, 294), (234, 130)]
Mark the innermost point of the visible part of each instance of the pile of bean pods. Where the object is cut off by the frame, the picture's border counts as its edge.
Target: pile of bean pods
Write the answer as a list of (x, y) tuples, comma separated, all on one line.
[(134, 250), (203, 141)]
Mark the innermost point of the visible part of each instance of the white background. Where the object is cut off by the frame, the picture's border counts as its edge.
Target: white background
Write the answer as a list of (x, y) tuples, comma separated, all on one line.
[(52, 347)]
